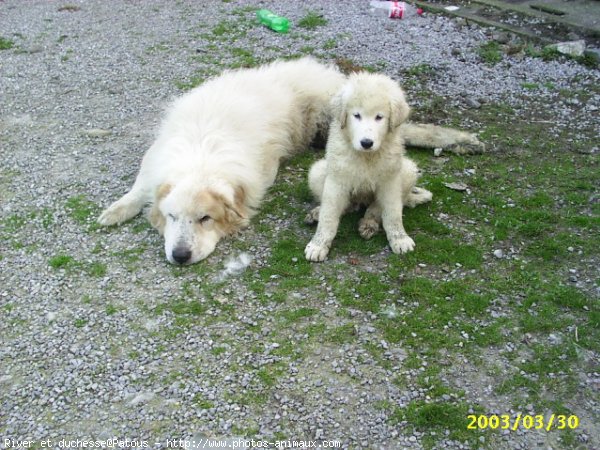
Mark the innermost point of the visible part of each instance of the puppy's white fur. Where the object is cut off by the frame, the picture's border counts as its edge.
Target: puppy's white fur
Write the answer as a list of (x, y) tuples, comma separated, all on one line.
[(219, 149), (365, 163)]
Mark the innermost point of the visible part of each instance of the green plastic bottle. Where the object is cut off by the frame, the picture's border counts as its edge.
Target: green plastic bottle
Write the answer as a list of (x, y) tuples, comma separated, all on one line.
[(273, 21)]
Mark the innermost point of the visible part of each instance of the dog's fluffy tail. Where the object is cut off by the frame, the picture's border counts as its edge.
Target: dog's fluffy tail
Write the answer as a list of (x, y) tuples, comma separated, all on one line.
[(433, 136)]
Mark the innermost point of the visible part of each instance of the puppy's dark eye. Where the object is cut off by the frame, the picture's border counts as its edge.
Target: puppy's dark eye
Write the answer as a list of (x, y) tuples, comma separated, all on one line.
[(203, 219), (378, 117), (356, 116), (171, 216)]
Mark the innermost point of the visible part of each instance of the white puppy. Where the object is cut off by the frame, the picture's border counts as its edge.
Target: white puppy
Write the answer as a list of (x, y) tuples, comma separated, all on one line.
[(365, 163), (219, 149)]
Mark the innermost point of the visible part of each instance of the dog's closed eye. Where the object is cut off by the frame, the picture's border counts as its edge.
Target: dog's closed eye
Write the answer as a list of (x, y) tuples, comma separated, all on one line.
[(357, 116), (378, 117), (203, 219)]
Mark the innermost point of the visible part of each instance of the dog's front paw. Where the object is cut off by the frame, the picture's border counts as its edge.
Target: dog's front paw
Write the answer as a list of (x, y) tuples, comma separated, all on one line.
[(111, 216), (316, 253), (474, 147), (312, 217), (403, 244), (367, 228), (116, 213)]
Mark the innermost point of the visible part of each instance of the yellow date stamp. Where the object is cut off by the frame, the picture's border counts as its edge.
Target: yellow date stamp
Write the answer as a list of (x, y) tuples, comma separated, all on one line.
[(522, 421)]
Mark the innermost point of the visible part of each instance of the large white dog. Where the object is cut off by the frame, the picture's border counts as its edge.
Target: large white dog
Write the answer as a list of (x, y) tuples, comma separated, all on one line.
[(365, 163), (219, 148)]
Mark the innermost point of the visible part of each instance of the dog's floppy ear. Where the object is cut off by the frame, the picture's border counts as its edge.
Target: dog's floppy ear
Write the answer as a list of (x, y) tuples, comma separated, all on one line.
[(338, 108), (399, 109), (235, 213), (157, 220), (238, 210)]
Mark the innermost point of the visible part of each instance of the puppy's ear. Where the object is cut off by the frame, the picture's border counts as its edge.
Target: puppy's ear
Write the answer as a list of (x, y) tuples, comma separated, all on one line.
[(157, 220), (338, 108), (399, 109)]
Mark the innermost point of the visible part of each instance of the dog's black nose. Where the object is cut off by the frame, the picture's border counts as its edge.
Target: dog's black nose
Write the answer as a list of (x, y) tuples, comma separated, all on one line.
[(366, 143), (181, 255)]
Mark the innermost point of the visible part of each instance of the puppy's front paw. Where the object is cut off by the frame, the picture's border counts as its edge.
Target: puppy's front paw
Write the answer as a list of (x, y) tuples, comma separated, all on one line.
[(403, 244), (316, 253), (368, 228)]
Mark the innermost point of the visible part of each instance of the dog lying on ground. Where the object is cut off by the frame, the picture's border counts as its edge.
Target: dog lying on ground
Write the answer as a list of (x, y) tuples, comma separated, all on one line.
[(219, 148), (365, 163)]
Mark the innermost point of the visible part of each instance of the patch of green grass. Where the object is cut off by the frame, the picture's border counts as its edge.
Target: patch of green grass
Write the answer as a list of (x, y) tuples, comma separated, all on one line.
[(244, 58), (549, 369), (342, 334), (550, 54), (194, 81), (61, 261), (312, 20), (269, 375), (111, 309), (162, 47), (130, 257), (307, 50), (288, 349), (202, 402), (47, 218), (287, 267), (490, 52), (444, 252), (442, 418), (218, 350), (182, 307), (80, 323), (423, 321), (420, 69), (13, 223), (251, 398), (295, 315), (590, 60), (141, 226), (316, 331), (367, 291), (95, 269), (69, 263), (222, 28), (330, 44), (6, 44), (83, 211)]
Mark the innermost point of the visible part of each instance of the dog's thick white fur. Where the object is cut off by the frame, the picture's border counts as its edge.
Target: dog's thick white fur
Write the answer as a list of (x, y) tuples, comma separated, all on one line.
[(365, 163), (219, 149)]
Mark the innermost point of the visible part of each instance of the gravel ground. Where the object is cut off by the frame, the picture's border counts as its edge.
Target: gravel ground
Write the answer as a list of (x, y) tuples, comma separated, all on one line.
[(81, 95)]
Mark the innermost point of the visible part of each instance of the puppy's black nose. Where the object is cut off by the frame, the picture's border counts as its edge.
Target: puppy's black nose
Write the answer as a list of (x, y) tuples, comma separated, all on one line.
[(366, 143), (181, 255)]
